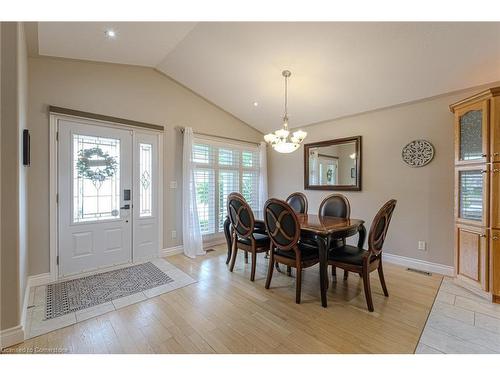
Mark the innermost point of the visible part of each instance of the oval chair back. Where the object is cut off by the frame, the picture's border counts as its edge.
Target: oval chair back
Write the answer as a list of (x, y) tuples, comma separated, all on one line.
[(237, 194), (379, 227), (298, 202), (282, 224), (335, 205), (240, 215)]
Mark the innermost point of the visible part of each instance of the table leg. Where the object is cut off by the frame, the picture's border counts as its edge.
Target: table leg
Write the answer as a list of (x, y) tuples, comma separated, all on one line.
[(362, 236), (227, 234), (323, 267)]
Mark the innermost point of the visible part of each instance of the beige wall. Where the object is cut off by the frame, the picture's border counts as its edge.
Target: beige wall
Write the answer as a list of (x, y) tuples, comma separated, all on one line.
[(425, 195), (130, 92), (14, 256)]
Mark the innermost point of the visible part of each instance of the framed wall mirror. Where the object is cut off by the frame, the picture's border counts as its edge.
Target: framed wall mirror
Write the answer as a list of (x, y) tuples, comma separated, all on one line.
[(333, 164)]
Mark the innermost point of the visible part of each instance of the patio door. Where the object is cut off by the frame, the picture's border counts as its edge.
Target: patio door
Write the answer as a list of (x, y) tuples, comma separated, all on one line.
[(94, 196)]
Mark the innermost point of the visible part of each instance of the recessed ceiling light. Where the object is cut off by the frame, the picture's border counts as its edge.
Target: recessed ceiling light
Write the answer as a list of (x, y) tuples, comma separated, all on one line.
[(111, 34), (255, 104)]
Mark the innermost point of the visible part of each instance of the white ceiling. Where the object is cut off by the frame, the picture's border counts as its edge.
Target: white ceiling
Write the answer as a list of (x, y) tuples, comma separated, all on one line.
[(338, 69), (136, 43)]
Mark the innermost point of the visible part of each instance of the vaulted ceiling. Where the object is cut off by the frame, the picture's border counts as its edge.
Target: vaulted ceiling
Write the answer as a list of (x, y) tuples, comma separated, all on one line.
[(338, 69)]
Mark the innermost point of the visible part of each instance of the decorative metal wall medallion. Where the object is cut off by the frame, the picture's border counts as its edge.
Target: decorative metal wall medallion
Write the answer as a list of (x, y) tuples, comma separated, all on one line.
[(418, 153)]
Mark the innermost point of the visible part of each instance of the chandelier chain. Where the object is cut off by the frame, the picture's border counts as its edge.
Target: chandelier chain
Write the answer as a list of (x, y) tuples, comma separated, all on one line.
[(285, 117)]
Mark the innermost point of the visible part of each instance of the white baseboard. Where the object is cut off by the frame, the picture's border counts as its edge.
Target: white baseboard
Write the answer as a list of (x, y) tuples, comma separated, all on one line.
[(418, 264), (11, 336), (169, 251), (40, 279), (214, 242)]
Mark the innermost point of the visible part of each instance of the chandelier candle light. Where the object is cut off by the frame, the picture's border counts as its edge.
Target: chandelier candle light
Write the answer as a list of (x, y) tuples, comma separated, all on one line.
[(280, 139)]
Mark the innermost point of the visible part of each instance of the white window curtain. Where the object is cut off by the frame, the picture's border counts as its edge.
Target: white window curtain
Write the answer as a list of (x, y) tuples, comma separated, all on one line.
[(263, 175), (191, 233)]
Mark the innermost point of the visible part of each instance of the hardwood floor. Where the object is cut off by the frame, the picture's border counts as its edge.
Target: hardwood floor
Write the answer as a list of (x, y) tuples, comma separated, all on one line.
[(227, 313)]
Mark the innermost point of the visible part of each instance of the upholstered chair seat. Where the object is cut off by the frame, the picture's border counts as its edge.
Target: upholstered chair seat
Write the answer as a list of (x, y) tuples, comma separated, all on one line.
[(260, 239), (348, 254)]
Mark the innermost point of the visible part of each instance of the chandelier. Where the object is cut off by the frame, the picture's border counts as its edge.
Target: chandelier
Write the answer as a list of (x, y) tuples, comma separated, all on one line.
[(280, 140)]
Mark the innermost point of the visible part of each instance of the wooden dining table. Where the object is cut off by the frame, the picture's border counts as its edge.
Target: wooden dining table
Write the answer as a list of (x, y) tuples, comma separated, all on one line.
[(321, 229)]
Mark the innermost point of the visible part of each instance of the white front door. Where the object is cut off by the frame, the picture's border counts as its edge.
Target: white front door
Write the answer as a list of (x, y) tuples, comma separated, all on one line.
[(95, 196)]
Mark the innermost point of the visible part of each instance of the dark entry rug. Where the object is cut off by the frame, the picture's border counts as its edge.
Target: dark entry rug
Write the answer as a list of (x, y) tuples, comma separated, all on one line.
[(73, 295)]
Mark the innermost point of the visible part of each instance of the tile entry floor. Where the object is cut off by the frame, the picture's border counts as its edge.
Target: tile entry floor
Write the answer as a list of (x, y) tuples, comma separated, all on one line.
[(460, 322), (35, 317)]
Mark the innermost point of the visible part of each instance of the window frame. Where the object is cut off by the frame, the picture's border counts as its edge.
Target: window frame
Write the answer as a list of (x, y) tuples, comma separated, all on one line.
[(214, 165)]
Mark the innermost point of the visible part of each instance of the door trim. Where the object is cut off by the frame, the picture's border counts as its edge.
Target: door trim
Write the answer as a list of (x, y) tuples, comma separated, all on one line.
[(53, 182)]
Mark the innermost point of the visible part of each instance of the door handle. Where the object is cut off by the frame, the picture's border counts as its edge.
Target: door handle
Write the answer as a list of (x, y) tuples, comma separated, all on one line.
[(125, 207)]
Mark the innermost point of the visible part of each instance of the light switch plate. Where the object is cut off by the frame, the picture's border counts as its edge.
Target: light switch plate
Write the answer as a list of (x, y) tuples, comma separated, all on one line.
[(174, 234), (173, 184)]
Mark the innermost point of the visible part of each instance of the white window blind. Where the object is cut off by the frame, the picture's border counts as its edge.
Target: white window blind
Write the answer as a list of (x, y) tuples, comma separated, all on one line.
[(220, 169)]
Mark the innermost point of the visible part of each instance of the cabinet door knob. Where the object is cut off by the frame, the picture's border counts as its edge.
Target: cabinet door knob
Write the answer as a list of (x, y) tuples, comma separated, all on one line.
[(496, 154), (496, 170), (495, 238)]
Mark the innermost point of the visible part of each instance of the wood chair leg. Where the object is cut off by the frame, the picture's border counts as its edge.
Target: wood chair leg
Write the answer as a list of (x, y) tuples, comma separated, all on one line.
[(270, 270), (254, 265), (288, 271), (246, 257), (277, 266), (298, 283), (346, 275), (233, 255), (368, 292), (334, 272), (382, 279)]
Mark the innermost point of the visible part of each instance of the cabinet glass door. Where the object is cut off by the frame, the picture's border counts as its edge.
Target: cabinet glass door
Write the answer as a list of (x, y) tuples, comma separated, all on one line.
[(472, 134), (471, 137), (472, 187)]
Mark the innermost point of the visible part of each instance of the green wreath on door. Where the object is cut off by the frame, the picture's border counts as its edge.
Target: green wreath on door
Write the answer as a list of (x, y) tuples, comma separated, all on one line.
[(96, 173)]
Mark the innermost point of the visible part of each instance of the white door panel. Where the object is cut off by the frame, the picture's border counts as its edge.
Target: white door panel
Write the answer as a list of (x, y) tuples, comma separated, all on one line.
[(94, 169)]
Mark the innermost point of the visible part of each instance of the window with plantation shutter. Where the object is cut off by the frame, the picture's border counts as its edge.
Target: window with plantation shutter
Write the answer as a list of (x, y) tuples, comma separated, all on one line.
[(220, 169)]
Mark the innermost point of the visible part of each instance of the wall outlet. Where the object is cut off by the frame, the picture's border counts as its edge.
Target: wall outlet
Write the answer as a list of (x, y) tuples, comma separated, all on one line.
[(422, 245), (174, 234), (173, 184)]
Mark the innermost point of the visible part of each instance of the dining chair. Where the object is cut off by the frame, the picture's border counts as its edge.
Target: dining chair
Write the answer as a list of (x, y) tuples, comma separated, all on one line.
[(259, 226), (243, 232), (363, 262), (283, 229), (298, 202), (336, 205)]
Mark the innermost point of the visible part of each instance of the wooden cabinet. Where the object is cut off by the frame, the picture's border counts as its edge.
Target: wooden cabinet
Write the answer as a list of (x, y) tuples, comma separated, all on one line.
[(495, 130), (471, 262), (495, 195), (495, 263), (477, 192)]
